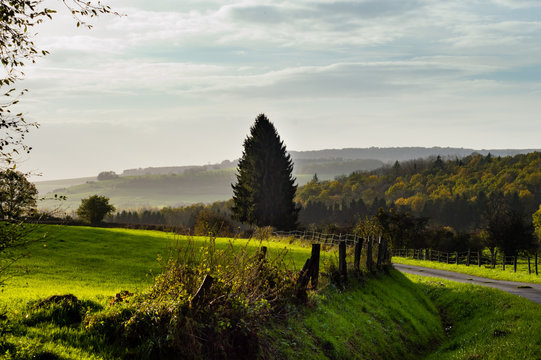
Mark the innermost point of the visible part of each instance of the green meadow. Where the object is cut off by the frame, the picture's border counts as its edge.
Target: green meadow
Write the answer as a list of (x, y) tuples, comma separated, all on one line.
[(386, 315), (97, 262)]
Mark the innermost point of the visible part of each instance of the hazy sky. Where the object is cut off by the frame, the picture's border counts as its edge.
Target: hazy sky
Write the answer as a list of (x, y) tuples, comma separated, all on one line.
[(180, 82)]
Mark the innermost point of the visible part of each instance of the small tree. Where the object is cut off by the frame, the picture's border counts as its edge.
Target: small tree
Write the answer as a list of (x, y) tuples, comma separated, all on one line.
[(94, 209), (265, 188), (17, 195), (17, 201)]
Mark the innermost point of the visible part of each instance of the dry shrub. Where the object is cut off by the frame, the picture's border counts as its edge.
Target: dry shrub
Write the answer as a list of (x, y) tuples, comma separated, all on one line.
[(223, 322)]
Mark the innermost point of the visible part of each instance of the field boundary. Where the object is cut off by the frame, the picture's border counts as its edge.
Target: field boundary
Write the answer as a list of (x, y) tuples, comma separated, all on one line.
[(526, 263)]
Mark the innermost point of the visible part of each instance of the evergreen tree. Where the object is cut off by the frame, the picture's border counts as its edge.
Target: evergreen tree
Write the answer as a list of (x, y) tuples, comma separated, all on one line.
[(265, 188)]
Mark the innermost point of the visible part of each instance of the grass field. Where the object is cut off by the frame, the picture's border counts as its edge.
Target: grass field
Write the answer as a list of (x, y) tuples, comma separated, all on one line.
[(482, 271), (383, 317), (97, 262)]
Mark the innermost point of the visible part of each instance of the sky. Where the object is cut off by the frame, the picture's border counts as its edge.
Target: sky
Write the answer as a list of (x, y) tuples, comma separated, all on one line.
[(181, 82)]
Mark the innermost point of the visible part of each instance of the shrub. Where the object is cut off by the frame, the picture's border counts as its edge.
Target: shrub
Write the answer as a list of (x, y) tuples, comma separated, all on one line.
[(221, 322), (209, 222)]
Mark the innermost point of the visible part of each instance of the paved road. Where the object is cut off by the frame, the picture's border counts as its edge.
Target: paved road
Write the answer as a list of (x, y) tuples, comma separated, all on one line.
[(529, 291)]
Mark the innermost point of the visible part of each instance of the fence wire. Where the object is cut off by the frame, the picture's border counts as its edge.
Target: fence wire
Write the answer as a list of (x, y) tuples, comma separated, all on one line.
[(322, 238), (473, 258)]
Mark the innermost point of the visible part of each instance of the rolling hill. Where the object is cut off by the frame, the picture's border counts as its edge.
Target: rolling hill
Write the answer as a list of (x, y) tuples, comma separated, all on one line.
[(184, 185)]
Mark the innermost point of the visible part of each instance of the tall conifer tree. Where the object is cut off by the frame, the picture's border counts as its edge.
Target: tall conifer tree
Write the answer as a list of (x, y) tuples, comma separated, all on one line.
[(265, 188)]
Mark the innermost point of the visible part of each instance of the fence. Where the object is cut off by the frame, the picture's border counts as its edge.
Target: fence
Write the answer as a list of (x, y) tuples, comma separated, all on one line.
[(321, 238), (473, 258), (376, 253)]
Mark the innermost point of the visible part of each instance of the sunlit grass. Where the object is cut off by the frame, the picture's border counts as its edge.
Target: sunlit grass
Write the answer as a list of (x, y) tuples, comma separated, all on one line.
[(483, 323), (382, 317), (482, 271), (96, 263)]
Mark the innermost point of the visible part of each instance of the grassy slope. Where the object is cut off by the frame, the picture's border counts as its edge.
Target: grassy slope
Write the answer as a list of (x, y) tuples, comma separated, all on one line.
[(483, 271), (483, 323), (47, 186), (385, 317), (153, 190)]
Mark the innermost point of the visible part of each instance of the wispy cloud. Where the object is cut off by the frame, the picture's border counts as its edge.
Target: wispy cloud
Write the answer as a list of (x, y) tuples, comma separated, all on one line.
[(382, 65)]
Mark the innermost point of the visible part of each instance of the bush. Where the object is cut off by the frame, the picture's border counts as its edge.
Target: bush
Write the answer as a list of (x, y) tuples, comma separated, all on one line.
[(209, 222), (221, 322)]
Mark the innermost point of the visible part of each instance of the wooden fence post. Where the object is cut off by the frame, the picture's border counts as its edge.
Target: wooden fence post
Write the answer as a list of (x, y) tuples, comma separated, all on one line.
[(439, 255), (536, 273), (342, 265), (385, 252), (378, 258), (468, 258), (357, 255), (456, 257), (369, 255), (262, 253), (447, 257), (304, 278), (205, 286), (529, 266), (479, 258), (314, 269), (515, 263), (503, 261)]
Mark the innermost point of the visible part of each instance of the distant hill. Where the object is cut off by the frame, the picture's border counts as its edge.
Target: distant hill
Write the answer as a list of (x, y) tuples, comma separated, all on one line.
[(391, 154), (183, 185)]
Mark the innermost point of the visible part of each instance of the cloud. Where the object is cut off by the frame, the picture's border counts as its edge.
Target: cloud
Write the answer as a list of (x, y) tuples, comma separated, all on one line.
[(518, 4), (387, 68)]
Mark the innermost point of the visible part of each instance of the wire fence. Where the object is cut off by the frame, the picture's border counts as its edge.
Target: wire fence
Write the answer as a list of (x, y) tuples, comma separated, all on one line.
[(524, 263), (322, 238)]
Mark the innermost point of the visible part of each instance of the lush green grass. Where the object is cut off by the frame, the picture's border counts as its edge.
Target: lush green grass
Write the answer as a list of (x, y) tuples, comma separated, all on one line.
[(95, 262), (483, 323), (483, 271), (382, 317)]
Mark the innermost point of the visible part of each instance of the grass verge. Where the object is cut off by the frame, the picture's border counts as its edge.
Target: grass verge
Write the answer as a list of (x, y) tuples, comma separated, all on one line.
[(381, 317), (482, 271), (483, 323)]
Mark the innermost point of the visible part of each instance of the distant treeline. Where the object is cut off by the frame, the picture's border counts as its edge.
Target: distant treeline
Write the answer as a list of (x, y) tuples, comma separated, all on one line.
[(444, 204), (452, 192), (198, 219)]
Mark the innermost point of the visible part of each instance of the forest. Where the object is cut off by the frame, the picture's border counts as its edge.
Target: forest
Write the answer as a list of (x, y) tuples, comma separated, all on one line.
[(454, 193), (444, 204)]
